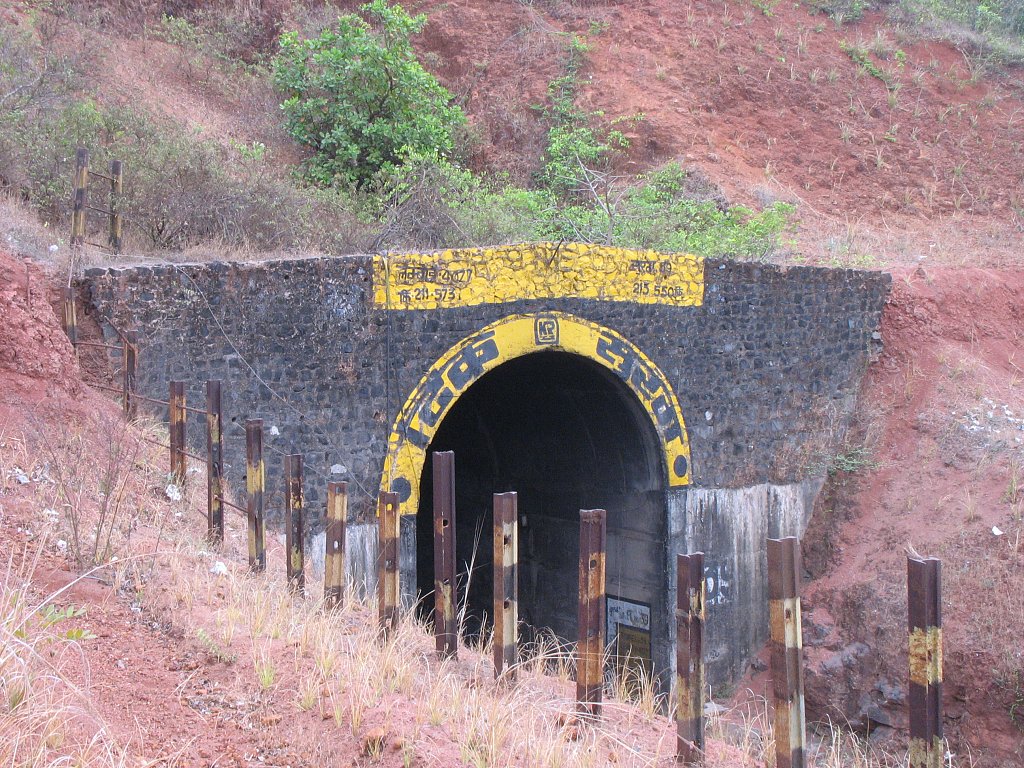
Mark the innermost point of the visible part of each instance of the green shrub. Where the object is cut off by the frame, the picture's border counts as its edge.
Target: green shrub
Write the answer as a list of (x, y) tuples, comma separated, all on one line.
[(359, 98), (991, 30), (428, 202), (179, 190)]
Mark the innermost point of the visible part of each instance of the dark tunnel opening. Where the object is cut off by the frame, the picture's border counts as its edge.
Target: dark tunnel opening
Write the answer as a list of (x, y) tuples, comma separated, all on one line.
[(566, 434)]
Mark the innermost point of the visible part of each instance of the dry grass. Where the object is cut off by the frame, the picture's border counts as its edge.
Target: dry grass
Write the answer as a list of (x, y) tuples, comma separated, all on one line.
[(45, 718), (292, 658)]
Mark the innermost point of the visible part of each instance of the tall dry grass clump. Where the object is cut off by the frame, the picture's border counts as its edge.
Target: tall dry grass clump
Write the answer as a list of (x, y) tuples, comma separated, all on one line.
[(45, 718)]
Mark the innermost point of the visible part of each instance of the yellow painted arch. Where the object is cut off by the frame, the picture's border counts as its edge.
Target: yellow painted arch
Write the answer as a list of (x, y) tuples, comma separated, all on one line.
[(509, 338)]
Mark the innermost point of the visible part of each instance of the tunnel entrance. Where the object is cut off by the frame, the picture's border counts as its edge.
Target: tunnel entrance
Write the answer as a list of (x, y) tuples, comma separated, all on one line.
[(567, 434)]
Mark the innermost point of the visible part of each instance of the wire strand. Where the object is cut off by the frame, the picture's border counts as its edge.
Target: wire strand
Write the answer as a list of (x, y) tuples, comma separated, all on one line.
[(300, 413)]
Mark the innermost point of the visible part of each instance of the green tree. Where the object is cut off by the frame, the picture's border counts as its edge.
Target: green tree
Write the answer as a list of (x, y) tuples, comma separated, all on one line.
[(358, 96)]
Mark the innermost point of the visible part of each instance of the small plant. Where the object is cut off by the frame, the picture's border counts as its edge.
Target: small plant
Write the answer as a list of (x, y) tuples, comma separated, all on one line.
[(308, 693), (858, 54), (266, 674), (847, 461), (214, 649), (1012, 494), (49, 615)]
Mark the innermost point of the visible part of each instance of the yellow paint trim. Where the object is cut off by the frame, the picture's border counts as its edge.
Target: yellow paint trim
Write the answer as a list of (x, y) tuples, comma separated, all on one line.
[(509, 338), (471, 276), (925, 655)]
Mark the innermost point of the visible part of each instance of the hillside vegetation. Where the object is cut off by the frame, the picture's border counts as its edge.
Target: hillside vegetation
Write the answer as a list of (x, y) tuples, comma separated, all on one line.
[(754, 130)]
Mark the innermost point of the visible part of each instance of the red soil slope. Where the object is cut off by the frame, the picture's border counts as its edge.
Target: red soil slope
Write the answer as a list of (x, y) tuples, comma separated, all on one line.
[(770, 107), (942, 413)]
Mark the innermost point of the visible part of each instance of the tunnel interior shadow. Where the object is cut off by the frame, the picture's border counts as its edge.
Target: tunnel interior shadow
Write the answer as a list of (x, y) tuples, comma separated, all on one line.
[(566, 434)]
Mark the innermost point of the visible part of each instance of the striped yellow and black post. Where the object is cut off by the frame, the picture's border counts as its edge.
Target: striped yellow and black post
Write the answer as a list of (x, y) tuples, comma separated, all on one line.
[(294, 528), (130, 362), (214, 464), (80, 185), (255, 483), (387, 572), (785, 643), (506, 586), (70, 315), (690, 604), (924, 609), (446, 633), (334, 555), (591, 614), (176, 430), (116, 221)]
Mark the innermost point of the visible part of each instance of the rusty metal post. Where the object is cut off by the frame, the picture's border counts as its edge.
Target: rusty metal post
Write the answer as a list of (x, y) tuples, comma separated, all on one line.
[(924, 613), (70, 315), (690, 658), (334, 557), (255, 481), (591, 614), (116, 187), (506, 585), (785, 643), (176, 429), (387, 572), (214, 464), (80, 185), (131, 407), (446, 633), (294, 529)]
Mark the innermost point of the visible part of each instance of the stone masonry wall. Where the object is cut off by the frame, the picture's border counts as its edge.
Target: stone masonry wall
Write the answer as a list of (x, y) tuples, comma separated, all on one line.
[(766, 371)]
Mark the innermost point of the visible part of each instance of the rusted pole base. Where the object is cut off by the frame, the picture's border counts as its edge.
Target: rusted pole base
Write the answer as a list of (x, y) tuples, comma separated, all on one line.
[(690, 604), (446, 635), (506, 586), (388, 585), (924, 613), (294, 524), (786, 645), (334, 556), (591, 614)]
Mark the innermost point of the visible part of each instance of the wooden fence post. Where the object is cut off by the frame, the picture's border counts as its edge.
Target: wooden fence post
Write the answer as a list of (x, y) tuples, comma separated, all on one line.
[(591, 614), (131, 407), (690, 594), (786, 647), (446, 635), (80, 184), (176, 415), (924, 613), (116, 186), (255, 482), (334, 557), (387, 572), (506, 585), (293, 523), (70, 315), (214, 465)]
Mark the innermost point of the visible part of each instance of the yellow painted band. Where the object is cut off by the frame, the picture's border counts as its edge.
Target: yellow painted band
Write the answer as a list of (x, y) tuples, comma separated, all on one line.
[(926, 656), (471, 276), (789, 631), (921, 755), (509, 338), (255, 477)]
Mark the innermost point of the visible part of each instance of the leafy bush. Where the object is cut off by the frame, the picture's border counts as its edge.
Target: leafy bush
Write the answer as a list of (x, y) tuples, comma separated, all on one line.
[(179, 191), (577, 148), (992, 30), (359, 98), (429, 202)]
